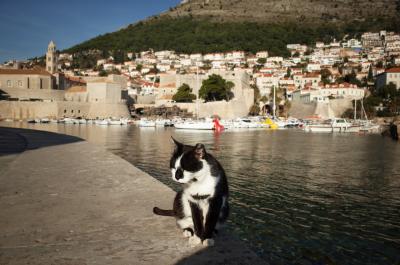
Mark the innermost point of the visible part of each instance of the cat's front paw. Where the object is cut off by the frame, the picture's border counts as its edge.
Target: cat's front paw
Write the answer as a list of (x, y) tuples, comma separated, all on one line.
[(209, 242), (194, 241)]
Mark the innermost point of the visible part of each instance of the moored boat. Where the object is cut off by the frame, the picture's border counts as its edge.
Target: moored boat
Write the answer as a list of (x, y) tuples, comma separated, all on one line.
[(146, 123), (195, 125)]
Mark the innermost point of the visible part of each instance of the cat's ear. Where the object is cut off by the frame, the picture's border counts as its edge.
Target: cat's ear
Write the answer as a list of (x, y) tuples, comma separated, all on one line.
[(178, 146), (199, 151)]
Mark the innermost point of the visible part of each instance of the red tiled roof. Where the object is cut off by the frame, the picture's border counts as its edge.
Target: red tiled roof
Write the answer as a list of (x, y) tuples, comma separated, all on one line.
[(312, 75), (393, 70), (342, 85), (76, 79)]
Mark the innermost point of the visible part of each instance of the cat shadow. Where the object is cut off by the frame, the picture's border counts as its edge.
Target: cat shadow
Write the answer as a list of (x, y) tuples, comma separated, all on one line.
[(227, 250)]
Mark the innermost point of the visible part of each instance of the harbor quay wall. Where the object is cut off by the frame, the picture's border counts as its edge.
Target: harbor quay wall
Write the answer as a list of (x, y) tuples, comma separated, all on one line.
[(21, 110), (67, 201)]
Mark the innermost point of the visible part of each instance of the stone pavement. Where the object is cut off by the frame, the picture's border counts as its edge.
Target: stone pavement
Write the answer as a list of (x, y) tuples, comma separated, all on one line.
[(66, 201)]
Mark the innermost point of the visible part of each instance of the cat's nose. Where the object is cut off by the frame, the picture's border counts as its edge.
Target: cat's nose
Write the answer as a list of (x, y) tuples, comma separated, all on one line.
[(179, 174)]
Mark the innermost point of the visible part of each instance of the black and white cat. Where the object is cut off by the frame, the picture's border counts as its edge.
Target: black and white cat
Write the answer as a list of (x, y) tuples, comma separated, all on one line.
[(202, 206)]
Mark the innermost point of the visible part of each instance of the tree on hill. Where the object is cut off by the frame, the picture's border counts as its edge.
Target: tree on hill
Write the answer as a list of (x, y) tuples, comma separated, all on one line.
[(288, 72), (261, 61), (370, 77), (326, 76), (215, 88), (184, 94)]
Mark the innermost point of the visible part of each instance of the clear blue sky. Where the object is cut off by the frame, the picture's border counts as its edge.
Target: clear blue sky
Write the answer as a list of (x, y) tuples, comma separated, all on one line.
[(27, 26)]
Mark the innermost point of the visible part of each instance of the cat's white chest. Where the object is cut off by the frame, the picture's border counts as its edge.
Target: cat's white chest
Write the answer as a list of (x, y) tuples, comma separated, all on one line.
[(205, 184)]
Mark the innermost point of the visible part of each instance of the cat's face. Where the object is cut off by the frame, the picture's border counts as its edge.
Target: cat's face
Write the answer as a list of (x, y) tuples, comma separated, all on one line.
[(187, 162)]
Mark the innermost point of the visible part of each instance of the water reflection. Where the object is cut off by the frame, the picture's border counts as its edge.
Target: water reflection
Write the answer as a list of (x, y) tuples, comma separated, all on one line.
[(296, 197)]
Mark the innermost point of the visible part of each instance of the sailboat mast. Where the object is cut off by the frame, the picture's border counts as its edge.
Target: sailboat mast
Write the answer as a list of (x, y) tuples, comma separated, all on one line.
[(273, 110), (355, 109), (198, 91)]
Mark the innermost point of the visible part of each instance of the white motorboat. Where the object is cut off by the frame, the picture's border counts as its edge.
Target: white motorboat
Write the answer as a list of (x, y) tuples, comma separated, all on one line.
[(163, 123), (207, 124), (102, 122), (82, 121), (68, 121), (147, 123), (118, 121)]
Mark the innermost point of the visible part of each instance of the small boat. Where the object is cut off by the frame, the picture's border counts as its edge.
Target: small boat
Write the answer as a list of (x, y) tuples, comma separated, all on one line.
[(163, 123), (67, 121), (33, 121), (82, 121), (45, 120), (118, 121), (102, 122), (207, 124), (334, 125), (146, 123)]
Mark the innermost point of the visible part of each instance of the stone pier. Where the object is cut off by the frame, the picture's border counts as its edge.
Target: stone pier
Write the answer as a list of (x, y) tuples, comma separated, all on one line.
[(66, 201)]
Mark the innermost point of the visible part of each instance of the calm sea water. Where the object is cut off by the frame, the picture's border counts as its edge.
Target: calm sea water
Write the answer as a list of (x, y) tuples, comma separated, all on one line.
[(297, 198)]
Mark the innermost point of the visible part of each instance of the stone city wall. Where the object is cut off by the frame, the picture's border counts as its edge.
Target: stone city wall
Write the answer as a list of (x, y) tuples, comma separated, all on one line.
[(22, 110), (335, 108), (45, 94)]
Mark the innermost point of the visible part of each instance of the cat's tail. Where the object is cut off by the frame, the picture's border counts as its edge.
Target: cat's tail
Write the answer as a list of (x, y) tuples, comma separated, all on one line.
[(162, 212)]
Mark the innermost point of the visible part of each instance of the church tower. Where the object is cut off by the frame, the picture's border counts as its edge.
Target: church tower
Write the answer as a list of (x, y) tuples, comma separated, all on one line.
[(51, 58)]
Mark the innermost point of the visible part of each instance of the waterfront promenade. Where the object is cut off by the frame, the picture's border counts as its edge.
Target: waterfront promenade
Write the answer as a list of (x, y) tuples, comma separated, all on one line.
[(66, 201)]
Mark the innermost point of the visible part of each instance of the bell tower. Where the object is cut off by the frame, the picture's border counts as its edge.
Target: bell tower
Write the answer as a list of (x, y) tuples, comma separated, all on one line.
[(51, 58)]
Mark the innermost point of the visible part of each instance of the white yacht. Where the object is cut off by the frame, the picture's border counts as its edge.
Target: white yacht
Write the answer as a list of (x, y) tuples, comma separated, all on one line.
[(334, 125), (207, 124)]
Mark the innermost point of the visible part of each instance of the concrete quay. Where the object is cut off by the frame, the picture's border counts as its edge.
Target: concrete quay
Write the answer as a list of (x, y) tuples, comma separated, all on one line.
[(66, 201)]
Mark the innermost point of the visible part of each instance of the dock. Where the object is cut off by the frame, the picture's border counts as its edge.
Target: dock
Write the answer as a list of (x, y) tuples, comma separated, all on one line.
[(66, 201)]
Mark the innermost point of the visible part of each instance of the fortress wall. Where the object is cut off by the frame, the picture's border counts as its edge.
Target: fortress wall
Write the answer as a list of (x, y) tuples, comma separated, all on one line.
[(21, 110), (339, 106), (302, 110), (45, 94), (107, 110)]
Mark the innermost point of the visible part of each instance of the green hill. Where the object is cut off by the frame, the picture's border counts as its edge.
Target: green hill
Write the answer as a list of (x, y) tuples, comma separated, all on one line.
[(192, 35)]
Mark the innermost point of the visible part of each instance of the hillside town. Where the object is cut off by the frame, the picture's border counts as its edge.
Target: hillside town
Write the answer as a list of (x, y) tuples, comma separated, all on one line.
[(322, 79)]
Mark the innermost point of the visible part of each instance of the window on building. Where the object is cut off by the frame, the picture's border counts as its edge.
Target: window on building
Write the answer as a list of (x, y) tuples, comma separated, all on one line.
[(49, 59), (49, 68), (72, 111), (9, 83), (27, 83), (41, 83), (20, 83), (65, 111)]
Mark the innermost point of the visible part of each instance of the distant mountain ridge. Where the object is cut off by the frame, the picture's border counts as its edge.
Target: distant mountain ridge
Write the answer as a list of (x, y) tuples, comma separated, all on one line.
[(282, 11), (249, 25)]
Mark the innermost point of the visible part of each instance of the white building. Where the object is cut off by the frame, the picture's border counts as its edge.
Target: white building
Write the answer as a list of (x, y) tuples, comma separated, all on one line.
[(262, 54), (266, 82), (389, 76)]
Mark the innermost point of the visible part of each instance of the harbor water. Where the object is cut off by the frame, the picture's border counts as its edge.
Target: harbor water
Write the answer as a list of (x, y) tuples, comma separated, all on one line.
[(296, 197)]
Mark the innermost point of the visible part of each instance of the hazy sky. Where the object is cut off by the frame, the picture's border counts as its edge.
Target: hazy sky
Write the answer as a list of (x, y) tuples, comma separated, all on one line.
[(27, 26)]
